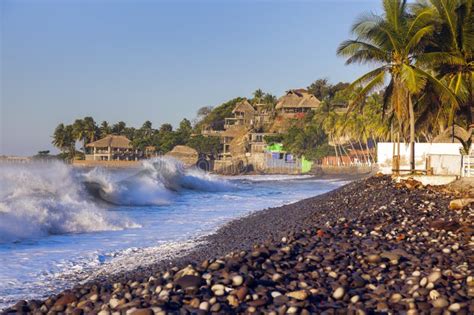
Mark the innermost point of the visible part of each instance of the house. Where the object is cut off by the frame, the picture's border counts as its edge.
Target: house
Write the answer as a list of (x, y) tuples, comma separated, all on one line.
[(295, 102), (264, 115), (244, 115), (257, 142), (111, 148)]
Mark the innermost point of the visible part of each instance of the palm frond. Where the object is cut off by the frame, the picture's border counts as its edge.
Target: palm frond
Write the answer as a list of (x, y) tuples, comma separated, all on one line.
[(438, 58), (439, 87), (418, 36), (447, 11), (414, 81), (364, 79), (361, 52)]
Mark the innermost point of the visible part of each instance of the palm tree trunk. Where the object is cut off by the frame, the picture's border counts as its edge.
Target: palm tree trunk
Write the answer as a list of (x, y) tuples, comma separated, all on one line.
[(345, 152), (365, 156), (355, 151), (335, 150), (411, 113)]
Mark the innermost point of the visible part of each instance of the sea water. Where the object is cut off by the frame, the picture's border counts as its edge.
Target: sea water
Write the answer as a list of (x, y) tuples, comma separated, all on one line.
[(61, 226)]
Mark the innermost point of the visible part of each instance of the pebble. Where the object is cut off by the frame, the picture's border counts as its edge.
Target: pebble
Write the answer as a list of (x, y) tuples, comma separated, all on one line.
[(298, 295), (434, 276), (455, 307), (396, 297), (204, 306), (237, 280), (378, 242), (440, 303), (355, 299), (338, 293)]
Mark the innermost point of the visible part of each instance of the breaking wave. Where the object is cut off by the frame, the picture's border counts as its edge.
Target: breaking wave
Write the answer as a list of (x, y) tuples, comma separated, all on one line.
[(155, 183), (39, 199)]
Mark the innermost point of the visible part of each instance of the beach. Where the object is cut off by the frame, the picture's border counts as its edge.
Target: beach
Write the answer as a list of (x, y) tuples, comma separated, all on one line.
[(370, 246)]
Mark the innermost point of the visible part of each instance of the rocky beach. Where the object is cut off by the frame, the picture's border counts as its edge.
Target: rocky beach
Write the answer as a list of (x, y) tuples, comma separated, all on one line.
[(372, 246)]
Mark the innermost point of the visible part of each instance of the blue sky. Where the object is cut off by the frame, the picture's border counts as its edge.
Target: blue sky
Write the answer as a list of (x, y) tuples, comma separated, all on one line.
[(157, 60)]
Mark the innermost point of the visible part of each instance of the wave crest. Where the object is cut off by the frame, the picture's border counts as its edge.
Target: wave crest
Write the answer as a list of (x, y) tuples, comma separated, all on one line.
[(154, 184), (40, 199)]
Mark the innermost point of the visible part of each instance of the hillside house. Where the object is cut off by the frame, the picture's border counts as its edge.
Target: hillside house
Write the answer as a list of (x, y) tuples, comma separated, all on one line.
[(244, 115), (296, 102)]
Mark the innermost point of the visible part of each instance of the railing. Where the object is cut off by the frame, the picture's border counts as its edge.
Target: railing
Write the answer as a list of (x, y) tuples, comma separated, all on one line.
[(467, 166)]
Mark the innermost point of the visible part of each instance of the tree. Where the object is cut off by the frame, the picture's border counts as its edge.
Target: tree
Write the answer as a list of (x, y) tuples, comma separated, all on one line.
[(119, 128), (450, 52), (166, 128), (304, 137), (258, 96), (184, 131), (270, 100), (204, 111), (79, 132), (146, 130), (393, 41), (205, 145), (59, 137), (319, 88), (90, 129), (104, 129), (64, 140), (215, 119)]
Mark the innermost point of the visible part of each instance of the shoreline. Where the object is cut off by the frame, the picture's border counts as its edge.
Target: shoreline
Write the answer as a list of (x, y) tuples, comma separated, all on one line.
[(330, 219)]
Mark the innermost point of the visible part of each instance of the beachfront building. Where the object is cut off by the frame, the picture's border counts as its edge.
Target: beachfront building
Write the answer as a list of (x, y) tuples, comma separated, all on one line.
[(295, 103), (111, 148)]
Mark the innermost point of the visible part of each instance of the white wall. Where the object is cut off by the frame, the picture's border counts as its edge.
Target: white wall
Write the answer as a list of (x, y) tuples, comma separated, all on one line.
[(447, 165)]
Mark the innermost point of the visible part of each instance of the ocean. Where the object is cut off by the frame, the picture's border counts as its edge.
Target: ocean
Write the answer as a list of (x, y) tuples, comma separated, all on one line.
[(60, 226)]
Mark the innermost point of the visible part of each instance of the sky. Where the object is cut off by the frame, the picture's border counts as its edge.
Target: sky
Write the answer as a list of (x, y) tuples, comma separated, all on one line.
[(157, 60)]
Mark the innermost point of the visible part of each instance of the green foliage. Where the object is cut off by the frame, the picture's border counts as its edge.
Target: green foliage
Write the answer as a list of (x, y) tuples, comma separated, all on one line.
[(166, 128), (104, 129), (271, 139), (215, 119), (305, 140), (205, 145), (323, 90), (183, 133)]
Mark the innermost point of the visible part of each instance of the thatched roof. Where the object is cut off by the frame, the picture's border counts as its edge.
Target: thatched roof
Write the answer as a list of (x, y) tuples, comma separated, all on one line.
[(244, 107), (113, 141), (233, 131), (299, 98), (185, 154)]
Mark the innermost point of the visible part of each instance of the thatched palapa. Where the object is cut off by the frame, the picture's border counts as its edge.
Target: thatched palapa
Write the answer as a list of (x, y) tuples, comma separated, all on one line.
[(299, 98), (244, 107), (113, 141)]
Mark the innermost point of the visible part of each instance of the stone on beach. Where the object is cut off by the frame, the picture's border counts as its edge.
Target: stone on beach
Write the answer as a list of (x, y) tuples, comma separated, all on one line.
[(369, 247)]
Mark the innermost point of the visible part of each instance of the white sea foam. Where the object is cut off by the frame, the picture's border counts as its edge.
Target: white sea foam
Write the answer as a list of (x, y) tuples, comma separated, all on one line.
[(196, 204), (154, 184), (46, 198)]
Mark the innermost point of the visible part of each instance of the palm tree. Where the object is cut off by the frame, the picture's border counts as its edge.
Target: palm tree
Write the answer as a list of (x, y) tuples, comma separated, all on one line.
[(59, 137), (79, 132), (104, 129), (119, 128), (393, 41), (147, 129), (451, 51), (90, 129), (64, 140), (258, 96)]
